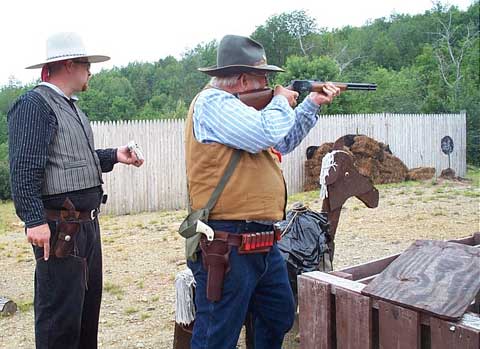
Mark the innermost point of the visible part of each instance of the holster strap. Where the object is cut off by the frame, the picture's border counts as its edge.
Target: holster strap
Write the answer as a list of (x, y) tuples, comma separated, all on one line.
[(231, 239), (62, 215)]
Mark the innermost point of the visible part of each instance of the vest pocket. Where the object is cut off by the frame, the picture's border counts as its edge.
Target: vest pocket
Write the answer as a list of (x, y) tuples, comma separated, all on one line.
[(74, 164)]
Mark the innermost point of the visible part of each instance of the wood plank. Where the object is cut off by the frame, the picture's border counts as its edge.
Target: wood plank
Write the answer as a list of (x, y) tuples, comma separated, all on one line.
[(367, 280), (399, 327), (366, 270), (441, 278), (476, 237), (445, 335), (342, 275), (315, 325), (371, 268), (471, 320), (335, 281), (353, 320)]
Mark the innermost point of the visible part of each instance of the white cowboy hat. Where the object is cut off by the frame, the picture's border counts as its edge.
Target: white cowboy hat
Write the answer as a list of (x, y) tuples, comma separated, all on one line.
[(63, 46)]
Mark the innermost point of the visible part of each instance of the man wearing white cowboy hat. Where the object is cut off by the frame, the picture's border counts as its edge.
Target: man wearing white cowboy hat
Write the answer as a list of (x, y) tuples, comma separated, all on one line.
[(253, 199), (56, 176)]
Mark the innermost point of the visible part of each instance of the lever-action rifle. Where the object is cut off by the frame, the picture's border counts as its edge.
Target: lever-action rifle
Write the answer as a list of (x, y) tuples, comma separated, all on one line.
[(259, 99)]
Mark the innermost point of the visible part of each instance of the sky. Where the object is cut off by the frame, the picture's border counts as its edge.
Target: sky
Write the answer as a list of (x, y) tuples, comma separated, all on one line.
[(148, 30)]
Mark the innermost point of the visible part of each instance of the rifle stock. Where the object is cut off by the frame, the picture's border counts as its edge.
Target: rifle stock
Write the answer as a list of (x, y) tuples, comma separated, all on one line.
[(259, 99)]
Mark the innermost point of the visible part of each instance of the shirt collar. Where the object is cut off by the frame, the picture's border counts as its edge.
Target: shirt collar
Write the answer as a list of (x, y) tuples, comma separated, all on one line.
[(56, 89)]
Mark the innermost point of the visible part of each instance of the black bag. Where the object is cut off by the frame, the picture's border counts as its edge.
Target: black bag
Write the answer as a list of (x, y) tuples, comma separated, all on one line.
[(304, 242)]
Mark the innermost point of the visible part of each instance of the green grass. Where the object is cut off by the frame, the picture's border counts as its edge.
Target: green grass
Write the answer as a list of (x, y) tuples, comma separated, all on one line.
[(471, 194), (131, 310), (304, 197), (24, 306), (406, 184), (473, 173), (7, 212), (145, 316), (113, 289)]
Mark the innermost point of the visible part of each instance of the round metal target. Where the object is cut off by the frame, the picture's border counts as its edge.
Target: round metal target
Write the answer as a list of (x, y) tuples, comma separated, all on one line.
[(447, 145)]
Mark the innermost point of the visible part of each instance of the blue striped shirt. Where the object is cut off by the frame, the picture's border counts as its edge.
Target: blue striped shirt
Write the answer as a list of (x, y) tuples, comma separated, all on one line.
[(220, 117)]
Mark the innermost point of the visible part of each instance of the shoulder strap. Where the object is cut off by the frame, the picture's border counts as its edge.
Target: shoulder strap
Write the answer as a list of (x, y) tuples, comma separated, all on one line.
[(224, 180)]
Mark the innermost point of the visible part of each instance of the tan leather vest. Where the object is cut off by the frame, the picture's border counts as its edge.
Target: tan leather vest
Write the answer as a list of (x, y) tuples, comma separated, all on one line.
[(256, 190)]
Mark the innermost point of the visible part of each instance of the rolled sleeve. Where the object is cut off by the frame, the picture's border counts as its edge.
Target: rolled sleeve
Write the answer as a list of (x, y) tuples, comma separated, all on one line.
[(305, 119), (220, 117)]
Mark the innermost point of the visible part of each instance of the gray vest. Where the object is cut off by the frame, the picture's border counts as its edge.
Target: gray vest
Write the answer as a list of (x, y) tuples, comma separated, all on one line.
[(72, 162)]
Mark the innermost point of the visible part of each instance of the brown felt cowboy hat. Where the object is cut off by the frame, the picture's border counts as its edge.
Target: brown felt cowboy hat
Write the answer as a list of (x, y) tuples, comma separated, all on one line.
[(239, 54)]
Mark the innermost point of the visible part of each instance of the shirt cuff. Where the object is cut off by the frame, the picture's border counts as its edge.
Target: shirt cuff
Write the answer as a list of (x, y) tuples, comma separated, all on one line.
[(280, 100), (309, 106), (114, 156), (35, 223)]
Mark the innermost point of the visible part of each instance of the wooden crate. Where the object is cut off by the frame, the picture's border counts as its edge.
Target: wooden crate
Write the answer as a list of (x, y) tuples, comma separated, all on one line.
[(335, 314)]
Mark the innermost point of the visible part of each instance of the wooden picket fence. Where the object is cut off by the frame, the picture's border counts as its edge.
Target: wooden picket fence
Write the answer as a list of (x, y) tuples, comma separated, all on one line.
[(161, 183)]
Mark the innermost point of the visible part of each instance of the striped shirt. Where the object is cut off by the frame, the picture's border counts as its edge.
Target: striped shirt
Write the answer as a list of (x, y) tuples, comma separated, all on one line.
[(31, 127), (222, 118)]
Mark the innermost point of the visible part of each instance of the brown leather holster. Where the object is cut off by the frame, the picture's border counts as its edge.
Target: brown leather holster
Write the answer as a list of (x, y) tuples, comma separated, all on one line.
[(215, 259), (65, 241), (67, 226), (216, 255)]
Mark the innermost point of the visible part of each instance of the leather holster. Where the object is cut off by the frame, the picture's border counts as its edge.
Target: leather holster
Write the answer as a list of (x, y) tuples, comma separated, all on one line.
[(215, 259)]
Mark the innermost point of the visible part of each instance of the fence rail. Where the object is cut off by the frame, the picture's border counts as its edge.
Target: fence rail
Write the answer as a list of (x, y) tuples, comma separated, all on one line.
[(161, 184)]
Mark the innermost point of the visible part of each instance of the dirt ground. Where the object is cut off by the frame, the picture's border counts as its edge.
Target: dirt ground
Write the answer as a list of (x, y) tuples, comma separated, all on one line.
[(143, 253)]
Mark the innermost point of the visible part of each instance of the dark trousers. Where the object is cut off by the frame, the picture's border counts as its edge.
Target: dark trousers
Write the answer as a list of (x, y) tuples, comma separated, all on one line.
[(68, 290), (257, 283)]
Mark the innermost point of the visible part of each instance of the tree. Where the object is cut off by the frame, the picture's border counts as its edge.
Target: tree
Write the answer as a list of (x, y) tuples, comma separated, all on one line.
[(450, 48), (286, 34)]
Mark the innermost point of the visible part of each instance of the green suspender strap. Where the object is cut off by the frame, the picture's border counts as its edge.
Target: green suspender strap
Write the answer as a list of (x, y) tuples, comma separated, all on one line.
[(188, 228)]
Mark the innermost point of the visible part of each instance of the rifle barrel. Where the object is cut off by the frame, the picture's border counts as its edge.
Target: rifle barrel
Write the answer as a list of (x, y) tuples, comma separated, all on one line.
[(361, 86), (313, 85)]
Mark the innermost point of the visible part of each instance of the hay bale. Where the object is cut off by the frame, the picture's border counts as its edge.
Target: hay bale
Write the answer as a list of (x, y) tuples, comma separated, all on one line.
[(313, 166), (367, 147), (321, 151), (371, 158), (392, 170), (385, 148), (448, 173), (367, 167), (421, 173)]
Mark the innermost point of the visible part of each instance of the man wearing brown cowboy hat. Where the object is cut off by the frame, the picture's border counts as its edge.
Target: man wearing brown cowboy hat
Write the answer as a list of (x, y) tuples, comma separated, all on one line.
[(56, 176), (253, 199)]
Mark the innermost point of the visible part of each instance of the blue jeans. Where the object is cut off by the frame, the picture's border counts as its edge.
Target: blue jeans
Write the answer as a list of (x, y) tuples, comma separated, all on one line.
[(257, 283)]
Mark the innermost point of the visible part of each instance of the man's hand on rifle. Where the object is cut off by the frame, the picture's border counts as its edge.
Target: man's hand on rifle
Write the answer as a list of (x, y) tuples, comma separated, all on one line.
[(290, 95), (330, 91)]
